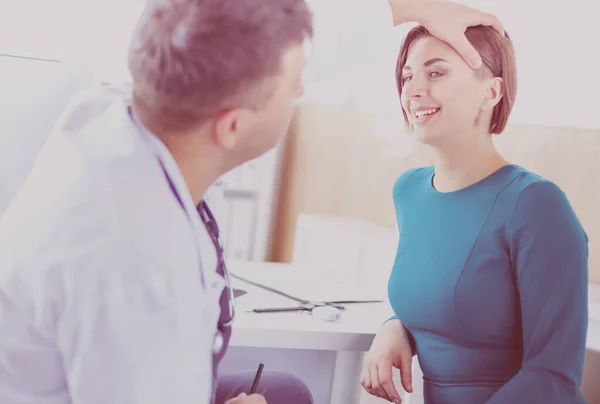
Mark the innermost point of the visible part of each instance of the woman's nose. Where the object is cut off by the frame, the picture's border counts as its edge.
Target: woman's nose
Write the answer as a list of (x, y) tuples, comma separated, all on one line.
[(416, 87)]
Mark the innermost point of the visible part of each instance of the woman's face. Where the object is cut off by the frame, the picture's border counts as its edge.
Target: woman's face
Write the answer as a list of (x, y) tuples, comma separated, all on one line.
[(444, 98)]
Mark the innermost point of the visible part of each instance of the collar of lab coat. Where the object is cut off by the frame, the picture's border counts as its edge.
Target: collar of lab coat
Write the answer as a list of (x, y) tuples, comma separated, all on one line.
[(166, 159), (168, 163)]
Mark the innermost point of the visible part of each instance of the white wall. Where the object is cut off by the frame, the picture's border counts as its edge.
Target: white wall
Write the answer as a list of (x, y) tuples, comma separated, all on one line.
[(557, 46)]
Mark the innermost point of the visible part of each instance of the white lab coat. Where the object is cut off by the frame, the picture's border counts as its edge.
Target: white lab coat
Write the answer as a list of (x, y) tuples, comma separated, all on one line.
[(100, 292), (34, 94)]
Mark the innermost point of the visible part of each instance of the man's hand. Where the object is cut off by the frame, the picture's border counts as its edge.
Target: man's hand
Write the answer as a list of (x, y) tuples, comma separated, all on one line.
[(247, 399), (447, 21)]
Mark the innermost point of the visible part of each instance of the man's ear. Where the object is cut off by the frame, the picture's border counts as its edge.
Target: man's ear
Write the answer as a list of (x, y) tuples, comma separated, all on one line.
[(494, 90), (231, 126)]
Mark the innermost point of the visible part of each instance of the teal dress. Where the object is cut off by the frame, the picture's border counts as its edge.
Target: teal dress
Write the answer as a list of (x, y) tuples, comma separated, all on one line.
[(491, 282)]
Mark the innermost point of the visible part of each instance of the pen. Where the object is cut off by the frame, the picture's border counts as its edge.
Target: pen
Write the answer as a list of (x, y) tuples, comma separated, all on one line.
[(257, 378)]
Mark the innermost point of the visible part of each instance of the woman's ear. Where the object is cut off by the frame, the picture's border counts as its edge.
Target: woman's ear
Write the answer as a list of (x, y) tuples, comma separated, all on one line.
[(493, 92)]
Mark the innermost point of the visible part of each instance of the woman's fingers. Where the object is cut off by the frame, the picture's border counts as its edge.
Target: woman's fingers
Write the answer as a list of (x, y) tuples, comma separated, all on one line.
[(365, 380), (406, 371), (386, 382), (376, 383)]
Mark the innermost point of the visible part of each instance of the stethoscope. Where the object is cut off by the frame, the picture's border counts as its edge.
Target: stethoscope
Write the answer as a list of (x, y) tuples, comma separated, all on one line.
[(212, 227), (213, 230)]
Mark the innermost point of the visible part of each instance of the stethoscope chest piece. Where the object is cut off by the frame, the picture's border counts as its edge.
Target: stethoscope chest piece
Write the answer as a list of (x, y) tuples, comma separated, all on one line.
[(327, 313), (218, 343)]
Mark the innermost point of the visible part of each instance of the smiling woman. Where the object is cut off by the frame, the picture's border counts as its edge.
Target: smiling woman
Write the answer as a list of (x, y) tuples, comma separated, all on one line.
[(489, 285), (424, 90)]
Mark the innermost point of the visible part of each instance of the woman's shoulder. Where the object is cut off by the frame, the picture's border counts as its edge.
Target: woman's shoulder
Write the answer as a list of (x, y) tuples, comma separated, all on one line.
[(411, 180), (541, 209), (412, 175), (532, 186), (537, 198)]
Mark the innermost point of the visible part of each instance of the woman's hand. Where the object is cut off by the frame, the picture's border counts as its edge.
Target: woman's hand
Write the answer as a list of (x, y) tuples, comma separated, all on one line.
[(390, 348)]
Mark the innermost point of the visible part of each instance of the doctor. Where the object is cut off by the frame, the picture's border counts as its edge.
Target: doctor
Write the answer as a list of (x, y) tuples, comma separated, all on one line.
[(111, 272)]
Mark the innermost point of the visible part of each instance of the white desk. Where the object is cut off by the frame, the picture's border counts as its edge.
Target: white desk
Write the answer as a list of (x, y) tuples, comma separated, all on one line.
[(353, 332), (337, 347)]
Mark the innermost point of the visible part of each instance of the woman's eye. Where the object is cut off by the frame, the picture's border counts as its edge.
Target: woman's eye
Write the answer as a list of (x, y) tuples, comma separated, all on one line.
[(406, 79), (435, 75)]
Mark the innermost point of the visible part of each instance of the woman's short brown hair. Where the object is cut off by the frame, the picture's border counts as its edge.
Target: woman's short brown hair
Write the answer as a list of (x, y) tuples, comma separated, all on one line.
[(498, 58)]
